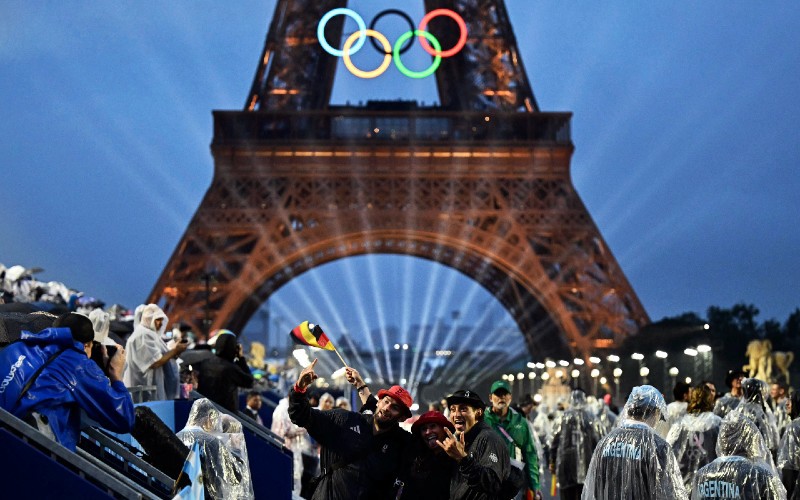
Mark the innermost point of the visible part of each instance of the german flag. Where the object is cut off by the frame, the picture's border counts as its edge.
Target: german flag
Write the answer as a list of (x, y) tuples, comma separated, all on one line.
[(311, 335)]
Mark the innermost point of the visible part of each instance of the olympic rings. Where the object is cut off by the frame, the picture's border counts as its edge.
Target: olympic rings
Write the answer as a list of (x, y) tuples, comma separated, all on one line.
[(462, 39), (387, 57), (356, 40), (399, 13), (437, 59), (362, 28)]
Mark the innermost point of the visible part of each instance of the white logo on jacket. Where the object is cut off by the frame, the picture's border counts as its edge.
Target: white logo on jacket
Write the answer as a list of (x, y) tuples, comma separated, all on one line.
[(11, 373), (493, 457)]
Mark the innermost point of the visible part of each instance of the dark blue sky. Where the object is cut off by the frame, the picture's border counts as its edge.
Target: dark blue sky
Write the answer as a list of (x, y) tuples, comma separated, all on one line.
[(685, 126)]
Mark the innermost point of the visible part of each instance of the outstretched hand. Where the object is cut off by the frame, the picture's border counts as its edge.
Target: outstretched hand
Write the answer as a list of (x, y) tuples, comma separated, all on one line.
[(307, 376), (353, 377), (453, 445)]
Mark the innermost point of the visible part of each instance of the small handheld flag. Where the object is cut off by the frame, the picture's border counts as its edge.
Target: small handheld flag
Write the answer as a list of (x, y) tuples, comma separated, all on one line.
[(311, 335), (193, 469)]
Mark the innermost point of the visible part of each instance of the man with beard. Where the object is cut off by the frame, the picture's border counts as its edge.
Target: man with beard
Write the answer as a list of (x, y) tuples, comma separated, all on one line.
[(360, 455), (481, 456), (514, 429)]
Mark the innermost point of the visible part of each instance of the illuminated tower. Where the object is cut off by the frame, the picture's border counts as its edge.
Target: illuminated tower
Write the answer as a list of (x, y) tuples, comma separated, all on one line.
[(479, 183)]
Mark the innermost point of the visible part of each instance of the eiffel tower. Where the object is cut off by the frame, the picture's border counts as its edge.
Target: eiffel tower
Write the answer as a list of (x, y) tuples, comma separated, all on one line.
[(479, 183)]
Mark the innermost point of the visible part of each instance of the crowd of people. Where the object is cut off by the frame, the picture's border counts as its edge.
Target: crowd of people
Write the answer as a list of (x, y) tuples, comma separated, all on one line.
[(743, 444)]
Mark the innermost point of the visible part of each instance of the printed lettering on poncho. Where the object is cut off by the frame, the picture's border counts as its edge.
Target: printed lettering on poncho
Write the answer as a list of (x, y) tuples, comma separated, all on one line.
[(7, 380), (620, 449), (718, 489)]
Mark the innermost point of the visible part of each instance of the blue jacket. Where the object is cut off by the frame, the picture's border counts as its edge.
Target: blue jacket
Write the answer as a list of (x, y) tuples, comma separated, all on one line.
[(71, 382)]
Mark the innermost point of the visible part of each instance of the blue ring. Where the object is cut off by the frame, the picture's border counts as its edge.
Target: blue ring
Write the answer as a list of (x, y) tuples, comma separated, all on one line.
[(362, 27)]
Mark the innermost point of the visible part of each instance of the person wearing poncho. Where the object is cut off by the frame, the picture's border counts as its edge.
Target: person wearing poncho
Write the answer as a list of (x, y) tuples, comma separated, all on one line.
[(632, 461), (694, 437), (743, 467)]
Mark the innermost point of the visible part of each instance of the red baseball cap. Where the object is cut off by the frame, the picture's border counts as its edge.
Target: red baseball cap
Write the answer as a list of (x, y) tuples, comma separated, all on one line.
[(432, 417), (400, 395)]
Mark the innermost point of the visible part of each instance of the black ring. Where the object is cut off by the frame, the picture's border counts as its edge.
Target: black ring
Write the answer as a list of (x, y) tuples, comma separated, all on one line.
[(400, 13)]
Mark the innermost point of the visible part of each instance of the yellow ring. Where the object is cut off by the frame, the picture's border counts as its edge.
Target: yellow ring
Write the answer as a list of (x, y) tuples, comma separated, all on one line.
[(387, 59)]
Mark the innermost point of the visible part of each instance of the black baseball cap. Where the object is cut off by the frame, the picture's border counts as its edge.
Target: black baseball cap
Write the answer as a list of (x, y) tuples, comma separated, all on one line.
[(733, 375), (465, 396)]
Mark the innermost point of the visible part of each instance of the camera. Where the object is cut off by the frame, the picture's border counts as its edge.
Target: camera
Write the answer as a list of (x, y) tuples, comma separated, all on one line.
[(97, 355)]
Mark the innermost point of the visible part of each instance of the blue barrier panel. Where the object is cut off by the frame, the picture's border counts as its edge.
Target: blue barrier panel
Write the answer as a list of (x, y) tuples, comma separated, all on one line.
[(270, 468), (30, 473), (270, 465)]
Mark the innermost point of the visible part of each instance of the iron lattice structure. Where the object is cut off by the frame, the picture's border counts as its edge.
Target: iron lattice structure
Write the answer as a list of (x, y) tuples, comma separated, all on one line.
[(480, 183)]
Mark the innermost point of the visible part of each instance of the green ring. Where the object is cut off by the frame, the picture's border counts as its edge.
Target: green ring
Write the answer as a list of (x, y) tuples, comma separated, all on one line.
[(437, 60)]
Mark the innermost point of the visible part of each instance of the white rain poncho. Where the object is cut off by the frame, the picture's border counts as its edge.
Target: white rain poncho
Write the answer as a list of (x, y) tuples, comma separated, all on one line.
[(101, 323), (143, 348), (754, 392), (226, 472), (633, 462), (743, 467), (574, 439), (694, 442)]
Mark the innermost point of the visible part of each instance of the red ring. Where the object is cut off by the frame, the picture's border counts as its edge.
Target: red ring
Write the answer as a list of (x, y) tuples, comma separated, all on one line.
[(462, 40)]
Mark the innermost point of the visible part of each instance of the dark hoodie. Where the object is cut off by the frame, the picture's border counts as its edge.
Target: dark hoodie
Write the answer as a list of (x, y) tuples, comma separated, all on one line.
[(220, 377)]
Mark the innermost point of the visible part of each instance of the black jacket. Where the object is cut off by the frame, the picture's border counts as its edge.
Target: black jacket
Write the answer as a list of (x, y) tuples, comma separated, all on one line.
[(219, 380), (371, 461), (425, 474), (480, 475)]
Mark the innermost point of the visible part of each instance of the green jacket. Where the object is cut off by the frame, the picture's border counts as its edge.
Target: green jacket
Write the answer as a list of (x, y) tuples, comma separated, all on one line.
[(515, 425)]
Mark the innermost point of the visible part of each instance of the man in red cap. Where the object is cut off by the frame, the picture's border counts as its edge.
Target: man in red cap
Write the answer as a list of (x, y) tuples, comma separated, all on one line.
[(361, 454)]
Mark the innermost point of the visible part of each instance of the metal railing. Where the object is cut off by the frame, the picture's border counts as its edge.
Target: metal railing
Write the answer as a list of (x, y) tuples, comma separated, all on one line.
[(359, 125), (90, 470)]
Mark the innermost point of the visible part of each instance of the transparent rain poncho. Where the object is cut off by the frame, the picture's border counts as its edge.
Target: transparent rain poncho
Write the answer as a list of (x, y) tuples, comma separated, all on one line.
[(789, 455), (543, 426), (632, 461), (226, 471), (295, 438), (606, 420), (789, 449), (694, 442), (574, 439), (754, 394), (743, 467)]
